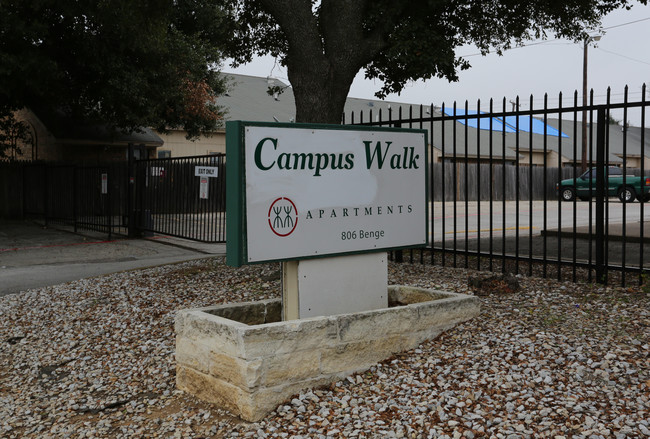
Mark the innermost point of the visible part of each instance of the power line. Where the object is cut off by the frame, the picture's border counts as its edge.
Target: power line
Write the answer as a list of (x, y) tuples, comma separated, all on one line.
[(625, 24), (623, 56), (536, 43), (516, 47)]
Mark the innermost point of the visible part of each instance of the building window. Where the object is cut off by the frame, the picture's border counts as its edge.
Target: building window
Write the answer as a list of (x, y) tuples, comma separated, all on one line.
[(164, 154)]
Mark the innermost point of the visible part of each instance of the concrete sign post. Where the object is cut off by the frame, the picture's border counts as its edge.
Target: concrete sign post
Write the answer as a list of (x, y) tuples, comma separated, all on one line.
[(298, 192)]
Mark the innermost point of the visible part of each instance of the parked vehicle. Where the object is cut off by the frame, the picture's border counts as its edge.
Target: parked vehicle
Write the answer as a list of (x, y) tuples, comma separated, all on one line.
[(626, 188)]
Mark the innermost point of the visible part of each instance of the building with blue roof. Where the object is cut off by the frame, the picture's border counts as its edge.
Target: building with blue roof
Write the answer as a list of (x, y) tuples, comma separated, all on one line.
[(467, 135)]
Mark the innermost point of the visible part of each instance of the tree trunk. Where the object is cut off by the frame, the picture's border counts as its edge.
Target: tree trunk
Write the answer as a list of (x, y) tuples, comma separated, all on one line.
[(324, 55), (320, 96)]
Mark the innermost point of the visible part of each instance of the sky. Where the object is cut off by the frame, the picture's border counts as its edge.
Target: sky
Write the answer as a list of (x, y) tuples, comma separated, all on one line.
[(620, 58)]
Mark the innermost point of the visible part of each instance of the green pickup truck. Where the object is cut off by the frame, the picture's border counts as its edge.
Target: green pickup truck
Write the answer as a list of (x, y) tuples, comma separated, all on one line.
[(626, 189)]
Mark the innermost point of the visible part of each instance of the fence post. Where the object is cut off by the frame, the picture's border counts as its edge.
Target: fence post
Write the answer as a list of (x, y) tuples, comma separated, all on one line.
[(109, 210), (46, 185), (399, 254), (130, 186), (75, 195), (23, 190), (601, 271)]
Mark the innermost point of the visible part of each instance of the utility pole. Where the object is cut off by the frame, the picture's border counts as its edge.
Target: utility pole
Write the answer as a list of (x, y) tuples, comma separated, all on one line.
[(588, 40)]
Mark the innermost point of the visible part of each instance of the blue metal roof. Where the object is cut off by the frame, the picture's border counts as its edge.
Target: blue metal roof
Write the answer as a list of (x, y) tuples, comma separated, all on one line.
[(509, 125)]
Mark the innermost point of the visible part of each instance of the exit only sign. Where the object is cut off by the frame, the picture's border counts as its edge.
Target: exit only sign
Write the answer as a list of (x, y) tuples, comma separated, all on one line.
[(206, 171)]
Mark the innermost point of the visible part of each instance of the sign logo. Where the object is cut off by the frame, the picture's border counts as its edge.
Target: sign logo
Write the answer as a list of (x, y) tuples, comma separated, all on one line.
[(283, 217)]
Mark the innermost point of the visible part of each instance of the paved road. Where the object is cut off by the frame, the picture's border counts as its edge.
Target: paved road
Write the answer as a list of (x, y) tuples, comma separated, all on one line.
[(33, 256), (476, 221), (538, 237)]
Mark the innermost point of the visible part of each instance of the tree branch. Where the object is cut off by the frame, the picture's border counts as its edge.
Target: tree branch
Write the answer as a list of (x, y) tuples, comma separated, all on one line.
[(299, 26), (345, 38)]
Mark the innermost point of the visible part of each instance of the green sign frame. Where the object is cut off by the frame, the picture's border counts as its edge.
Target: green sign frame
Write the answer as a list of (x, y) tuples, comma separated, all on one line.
[(236, 228)]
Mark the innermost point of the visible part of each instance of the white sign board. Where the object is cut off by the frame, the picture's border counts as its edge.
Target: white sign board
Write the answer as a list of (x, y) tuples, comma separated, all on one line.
[(206, 171), (157, 171), (312, 192), (104, 183), (203, 188)]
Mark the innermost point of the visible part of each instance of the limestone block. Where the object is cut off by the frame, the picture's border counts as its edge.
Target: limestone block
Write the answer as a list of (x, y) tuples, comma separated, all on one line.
[(250, 369), (360, 355), (404, 295), (287, 368), (375, 324), (241, 373), (250, 313), (446, 311), (222, 334), (192, 353), (213, 390), (285, 337)]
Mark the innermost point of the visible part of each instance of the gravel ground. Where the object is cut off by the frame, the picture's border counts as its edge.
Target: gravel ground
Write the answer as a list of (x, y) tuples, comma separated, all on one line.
[(95, 358)]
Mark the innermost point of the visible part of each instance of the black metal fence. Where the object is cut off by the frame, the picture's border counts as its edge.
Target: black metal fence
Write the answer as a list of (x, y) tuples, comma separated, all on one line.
[(494, 202), (83, 197), (184, 197), (165, 196)]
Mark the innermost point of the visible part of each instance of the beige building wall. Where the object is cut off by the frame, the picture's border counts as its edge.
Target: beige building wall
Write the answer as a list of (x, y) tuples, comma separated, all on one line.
[(178, 146), (552, 158), (435, 155), (634, 161), (44, 143)]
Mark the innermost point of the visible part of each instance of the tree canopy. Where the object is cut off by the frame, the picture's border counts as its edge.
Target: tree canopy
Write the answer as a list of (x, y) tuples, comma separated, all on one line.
[(325, 43), (124, 63)]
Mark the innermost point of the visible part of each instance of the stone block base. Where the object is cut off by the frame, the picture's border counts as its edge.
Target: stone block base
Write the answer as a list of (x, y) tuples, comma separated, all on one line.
[(243, 358)]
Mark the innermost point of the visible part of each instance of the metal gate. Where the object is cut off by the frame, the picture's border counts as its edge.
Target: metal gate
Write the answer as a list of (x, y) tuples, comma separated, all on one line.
[(82, 197), (183, 197)]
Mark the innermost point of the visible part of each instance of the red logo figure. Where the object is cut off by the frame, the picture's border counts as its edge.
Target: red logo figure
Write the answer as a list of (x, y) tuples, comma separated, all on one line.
[(283, 217)]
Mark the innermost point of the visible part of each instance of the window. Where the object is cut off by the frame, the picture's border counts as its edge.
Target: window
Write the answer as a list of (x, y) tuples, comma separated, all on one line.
[(611, 171), (164, 154)]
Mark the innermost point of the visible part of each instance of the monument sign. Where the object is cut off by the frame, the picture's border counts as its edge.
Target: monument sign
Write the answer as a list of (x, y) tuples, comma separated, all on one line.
[(303, 191)]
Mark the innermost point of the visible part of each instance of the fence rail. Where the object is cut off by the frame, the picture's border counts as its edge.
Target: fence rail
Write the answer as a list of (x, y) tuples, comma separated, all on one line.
[(174, 198), (493, 183), (494, 203), (81, 197), (164, 196)]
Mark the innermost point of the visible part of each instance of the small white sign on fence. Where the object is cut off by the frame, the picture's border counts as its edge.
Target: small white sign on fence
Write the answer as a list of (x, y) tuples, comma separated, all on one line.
[(206, 171), (157, 171), (203, 189), (104, 183)]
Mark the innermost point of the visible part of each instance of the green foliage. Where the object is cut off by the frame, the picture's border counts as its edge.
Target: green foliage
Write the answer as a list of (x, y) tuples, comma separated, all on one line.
[(121, 62), (275, 90), (611, 120), (325, 43), (645, 283)]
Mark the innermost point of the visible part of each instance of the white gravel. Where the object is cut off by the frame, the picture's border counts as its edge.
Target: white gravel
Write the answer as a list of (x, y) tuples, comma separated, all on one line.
[(95, 358)]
